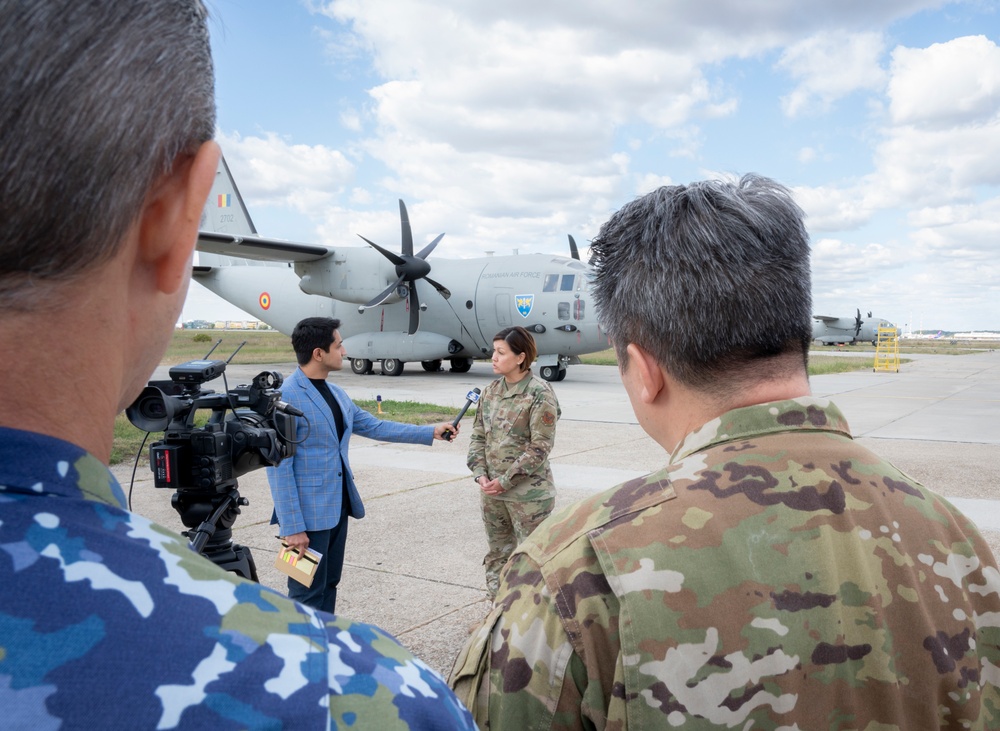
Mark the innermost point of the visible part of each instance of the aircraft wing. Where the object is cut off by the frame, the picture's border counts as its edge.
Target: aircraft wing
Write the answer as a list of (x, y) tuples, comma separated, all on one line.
[(259, 248), (825, 318)]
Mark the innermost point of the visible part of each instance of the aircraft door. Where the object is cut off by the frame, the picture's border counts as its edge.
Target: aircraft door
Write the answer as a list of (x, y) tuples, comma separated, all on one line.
[(503, 310), (493, 311)]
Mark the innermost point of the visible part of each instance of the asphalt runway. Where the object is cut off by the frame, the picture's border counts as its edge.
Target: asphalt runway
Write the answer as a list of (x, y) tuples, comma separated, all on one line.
[(414, 563)]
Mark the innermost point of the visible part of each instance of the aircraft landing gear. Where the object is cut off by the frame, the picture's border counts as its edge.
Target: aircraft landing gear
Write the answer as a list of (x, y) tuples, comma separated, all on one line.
[(552, 373), (431, 366), (392, 367), (361, 366), (461, 365)]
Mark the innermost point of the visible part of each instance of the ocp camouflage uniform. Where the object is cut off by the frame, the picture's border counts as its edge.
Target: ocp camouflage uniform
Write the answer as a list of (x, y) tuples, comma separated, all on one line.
[(774, 575), (512, 435), (109, 621)]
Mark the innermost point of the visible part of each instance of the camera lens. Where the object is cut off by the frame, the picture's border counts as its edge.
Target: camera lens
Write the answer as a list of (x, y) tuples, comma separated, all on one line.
[(153, 408)]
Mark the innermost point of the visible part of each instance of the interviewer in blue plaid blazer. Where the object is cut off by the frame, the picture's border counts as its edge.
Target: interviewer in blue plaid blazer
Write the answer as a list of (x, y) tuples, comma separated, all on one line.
[(314, 490)]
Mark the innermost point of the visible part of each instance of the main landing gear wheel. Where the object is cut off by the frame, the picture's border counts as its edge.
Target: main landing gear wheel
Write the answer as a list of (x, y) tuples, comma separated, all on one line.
[(361, 366), (392, 367), (431, 366), (549, 373), (562, 375), (461, 365)]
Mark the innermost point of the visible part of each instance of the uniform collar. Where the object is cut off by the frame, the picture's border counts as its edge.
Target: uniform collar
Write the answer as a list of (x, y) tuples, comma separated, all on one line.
[(807, 413)]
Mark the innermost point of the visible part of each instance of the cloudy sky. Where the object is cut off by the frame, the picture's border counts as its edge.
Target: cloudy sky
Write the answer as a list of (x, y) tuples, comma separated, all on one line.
[(510, 125)]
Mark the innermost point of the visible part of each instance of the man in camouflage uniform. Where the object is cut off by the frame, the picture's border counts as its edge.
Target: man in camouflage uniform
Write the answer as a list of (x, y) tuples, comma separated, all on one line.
[(774, 575), (108, 621), (512, 435)]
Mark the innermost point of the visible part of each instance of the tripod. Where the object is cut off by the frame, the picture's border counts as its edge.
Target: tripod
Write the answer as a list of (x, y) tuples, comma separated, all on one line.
[(210, 518)]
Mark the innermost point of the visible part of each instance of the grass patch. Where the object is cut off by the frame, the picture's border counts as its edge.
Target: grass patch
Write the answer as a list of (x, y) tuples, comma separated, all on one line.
[(823, 365), (413, 412), (128, 442), (262, 346), (819, 364), (604, 357)]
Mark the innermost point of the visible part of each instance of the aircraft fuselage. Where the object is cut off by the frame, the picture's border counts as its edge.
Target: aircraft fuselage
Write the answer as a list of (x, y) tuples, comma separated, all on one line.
[(549, 295)]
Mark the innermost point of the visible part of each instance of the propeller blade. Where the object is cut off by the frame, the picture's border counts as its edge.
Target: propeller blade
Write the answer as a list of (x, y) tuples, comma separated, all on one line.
[(414, 309), (404, 225), (430, 247), (384, 295), (445, 292), (573, 251), (394, 258)]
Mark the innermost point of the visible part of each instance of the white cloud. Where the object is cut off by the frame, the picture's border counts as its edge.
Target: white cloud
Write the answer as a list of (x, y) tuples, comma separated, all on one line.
[(947, 84), (270, 171), (831, 65), (945, 132), (832, 208)]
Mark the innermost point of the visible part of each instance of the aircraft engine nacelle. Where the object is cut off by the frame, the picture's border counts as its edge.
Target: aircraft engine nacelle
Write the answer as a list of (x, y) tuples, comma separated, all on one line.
[(419, 346), (349, 275)]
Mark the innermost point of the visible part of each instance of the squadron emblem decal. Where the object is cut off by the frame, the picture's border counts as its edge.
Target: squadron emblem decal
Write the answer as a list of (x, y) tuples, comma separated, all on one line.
[(524, 303)]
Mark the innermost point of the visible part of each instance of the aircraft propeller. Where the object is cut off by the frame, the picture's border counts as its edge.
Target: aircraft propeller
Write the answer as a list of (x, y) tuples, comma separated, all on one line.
[(409, 268), (858, 322)]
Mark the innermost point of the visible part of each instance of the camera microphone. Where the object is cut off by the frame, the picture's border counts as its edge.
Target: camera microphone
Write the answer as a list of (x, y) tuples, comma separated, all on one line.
[(472, 397)]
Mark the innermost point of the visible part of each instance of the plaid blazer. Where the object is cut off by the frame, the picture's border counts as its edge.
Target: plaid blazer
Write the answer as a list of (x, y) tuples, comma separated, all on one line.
[(308, 487)]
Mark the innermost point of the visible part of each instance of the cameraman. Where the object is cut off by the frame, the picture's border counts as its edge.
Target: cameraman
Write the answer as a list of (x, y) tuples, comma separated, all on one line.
[(314, 490), (108, 621)]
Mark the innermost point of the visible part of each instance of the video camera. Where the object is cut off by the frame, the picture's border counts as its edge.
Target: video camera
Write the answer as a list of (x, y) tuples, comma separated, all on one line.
[(248, 427), (256, 432)]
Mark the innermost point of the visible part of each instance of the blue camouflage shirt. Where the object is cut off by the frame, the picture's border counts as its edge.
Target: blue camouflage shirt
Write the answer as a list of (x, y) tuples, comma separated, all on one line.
[(108, 620)]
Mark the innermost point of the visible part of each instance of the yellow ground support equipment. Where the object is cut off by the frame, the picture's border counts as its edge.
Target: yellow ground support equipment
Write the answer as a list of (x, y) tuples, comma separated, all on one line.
[(887, 350)]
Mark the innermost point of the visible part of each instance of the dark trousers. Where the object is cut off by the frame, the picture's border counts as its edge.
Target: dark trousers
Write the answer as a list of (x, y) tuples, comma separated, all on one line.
[(331, 542)]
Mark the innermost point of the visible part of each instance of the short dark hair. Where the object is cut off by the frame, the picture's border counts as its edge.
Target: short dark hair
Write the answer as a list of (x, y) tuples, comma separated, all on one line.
[(98, 100), (520, 341), (312, 333), (711, 278)]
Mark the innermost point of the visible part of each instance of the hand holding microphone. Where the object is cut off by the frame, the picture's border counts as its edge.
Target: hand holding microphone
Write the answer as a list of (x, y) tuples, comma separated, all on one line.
[(472, 397)]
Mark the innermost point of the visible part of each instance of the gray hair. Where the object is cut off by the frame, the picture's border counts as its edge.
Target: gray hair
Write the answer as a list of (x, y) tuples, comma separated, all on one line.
[(99, 99), (712, 279)]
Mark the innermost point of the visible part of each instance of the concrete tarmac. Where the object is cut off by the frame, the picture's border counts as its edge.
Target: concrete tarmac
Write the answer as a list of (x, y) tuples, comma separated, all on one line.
[(414, 563)]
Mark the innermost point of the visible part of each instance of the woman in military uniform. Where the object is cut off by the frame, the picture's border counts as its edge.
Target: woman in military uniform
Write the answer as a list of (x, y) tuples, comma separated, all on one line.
[(512, 435)]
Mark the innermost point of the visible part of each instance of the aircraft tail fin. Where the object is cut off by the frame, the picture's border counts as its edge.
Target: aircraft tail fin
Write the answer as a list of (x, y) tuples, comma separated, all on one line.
[(225, 211)]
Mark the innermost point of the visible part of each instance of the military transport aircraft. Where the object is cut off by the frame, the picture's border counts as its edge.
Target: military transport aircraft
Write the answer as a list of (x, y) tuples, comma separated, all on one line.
[(847, 330), (392, 311)]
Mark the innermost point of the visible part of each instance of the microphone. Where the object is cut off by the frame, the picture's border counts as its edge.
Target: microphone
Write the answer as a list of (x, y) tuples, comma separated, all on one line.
[(472, 397)]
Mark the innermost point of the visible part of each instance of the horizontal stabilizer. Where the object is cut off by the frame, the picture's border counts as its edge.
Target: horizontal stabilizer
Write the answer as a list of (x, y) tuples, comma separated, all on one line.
[(258, 247)]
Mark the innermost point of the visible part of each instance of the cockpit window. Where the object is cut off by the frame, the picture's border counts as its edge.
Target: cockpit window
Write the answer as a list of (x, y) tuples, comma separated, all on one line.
[(551, 282), (568, 281)]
